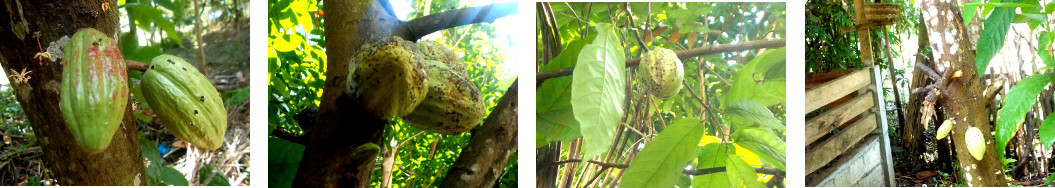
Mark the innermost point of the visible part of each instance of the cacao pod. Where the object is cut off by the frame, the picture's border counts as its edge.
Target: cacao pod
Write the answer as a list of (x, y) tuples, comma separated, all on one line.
[(387, 78), (662, 72), (975, 142), (94, 89), (432, 50), (453, 104), (944, 129), (185, 101)]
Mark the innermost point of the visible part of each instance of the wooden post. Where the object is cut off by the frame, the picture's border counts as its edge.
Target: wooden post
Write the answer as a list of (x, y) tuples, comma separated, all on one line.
[(863, 39)]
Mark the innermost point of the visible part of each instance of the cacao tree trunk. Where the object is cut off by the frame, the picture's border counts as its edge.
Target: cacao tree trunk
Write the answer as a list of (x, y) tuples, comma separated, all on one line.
[(342, 124), (121, 163), (961, 104)]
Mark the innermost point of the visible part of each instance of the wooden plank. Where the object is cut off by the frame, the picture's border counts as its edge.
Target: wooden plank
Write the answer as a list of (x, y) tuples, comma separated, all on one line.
[(824, 94), (816, 79), (849, 169), (819, 126), (837, 145)]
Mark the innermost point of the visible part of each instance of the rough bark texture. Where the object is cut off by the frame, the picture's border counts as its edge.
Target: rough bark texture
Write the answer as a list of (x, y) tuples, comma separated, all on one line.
[(482, 161), (952, 47), (342, 124), (912, 129), (121, 163)]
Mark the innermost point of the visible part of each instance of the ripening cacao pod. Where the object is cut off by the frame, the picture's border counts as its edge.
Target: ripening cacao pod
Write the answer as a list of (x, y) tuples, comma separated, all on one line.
[(944, 129), (453, 104), (975, 143), (662, 72), (388, 78), (185, 101), (94, 89)]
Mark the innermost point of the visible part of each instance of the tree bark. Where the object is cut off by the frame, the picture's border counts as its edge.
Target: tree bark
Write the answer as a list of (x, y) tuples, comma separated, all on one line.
[(961, 102), (482, 161), (342, 124), (121, 163)]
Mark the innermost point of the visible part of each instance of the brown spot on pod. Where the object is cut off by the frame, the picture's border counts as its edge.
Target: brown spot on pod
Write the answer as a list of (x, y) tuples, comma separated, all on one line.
[(195, 112), (184, 68), (202, 99)]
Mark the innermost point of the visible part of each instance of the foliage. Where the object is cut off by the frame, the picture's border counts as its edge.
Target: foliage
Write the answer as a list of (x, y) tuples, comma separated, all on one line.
[(831, 44), (296, 74), (741, 91)]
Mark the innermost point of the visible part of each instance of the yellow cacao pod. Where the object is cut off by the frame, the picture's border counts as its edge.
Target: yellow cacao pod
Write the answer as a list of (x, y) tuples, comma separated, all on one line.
[(388, 78), (975, 143), (944, 129), (662, 72)]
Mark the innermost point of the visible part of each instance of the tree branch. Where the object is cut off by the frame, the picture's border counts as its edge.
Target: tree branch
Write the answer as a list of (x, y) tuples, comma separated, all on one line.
[(683, 54), (135, 65), (417, 28), (299, 139)]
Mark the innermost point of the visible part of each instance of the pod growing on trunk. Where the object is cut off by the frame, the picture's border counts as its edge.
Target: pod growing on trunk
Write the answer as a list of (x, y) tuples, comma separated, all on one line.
[(387, 78), (94, 89)]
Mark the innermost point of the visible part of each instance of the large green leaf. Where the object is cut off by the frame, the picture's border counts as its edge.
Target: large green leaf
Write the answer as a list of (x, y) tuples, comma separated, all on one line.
[(969, 12), (763, 143), (145, 14), (282, 161), (597, 90), (740, 173), (554, 118), (759, 81), (662, 161), (713, 155), (207, 171), (992, 38), (1043, 44), (1047, 131), (171, 176), (1018, 101), (153, 156), (747, 113)]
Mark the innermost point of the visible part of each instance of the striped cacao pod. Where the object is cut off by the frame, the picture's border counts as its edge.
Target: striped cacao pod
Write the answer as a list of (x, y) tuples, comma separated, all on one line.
[(185, 101), (94, 89)]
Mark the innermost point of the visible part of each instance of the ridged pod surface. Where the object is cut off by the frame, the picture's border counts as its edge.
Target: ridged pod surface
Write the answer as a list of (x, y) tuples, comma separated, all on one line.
[(432, 50), (975, 143), (185, 101), (387, 78), (662, 72), (94, 89), (453, 104)]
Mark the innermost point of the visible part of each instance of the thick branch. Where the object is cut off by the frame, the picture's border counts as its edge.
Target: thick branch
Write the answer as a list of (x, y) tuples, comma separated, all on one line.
[(683, 54), (299, 139), (135, 65), (417, 28), (481, 162)]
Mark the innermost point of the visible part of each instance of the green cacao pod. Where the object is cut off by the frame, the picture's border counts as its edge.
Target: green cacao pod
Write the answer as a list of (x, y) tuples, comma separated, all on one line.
[(94, 89), (185, 101), (975, 143), (453, 104), (388, 78), (944, 129), (662, 72)]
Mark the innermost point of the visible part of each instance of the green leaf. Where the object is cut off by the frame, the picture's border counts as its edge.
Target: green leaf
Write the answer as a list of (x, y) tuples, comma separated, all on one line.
[(968, 13), (554, 118), (597, 90), (145, 13), (713, 155), (662, 161), (763, 143), (171, 176), (1051, 177), (150, 151), (1043, 44), (755, 81), (992, 38), (741, 174), (1018, 101), (282, 161), (748, 113), (1014, 5), (1047, 131), (208, 171)]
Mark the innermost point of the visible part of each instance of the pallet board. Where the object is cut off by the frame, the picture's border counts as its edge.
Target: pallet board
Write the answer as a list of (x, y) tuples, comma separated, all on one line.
[(819, 126), (831, 91), (836, 145)]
